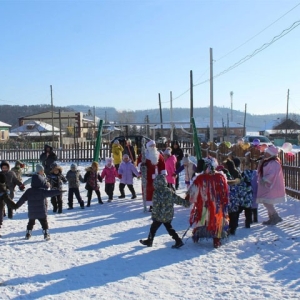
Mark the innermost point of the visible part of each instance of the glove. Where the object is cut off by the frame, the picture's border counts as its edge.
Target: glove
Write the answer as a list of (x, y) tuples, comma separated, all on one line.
[(22, 187), (120, 176)]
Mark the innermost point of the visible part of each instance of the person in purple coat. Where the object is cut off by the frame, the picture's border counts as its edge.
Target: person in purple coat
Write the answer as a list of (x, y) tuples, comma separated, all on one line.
[(37, 203), (126, 171)]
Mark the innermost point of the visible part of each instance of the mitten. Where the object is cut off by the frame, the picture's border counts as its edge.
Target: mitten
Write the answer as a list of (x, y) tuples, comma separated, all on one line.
[(22, 187)]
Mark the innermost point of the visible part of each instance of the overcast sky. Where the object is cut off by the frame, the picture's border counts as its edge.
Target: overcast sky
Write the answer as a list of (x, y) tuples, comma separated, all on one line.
[(123, 53)]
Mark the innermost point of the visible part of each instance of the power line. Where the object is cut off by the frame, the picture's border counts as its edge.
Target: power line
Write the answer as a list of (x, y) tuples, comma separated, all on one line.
[(250, 39)]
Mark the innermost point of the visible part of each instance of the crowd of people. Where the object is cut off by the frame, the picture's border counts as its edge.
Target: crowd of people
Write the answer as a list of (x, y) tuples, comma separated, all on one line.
[(216, 193)]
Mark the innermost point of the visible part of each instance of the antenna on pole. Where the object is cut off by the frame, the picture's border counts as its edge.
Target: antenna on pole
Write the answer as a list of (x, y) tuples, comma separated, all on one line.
[(231, 107)]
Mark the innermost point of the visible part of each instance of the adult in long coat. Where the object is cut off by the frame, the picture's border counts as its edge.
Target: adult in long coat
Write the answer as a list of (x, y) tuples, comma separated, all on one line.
[(270, 185), (47, 158), (155, 165)]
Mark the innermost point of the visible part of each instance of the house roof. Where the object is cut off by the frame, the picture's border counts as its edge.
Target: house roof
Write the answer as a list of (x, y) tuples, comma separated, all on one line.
[(2, 124), (35, 128)]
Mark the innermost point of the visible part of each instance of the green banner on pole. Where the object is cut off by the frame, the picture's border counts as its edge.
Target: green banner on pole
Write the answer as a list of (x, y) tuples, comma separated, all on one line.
[(98, 141)]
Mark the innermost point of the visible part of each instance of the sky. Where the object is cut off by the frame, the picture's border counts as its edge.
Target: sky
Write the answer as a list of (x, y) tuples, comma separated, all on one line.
[(123, 53)]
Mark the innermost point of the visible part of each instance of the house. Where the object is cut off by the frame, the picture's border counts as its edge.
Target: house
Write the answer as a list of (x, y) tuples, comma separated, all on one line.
[(35, 129), (4, 131)]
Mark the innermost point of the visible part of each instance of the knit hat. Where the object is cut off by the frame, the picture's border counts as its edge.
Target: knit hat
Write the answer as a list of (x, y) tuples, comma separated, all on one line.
[(73, 166), (4, 163), (116, 142), (185, 159), (167, 152), (39, 168), (150, 143), (109, 160), (272, 150)]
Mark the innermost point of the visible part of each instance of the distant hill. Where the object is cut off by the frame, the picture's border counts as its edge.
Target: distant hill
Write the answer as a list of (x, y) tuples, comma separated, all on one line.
[(10, 114)]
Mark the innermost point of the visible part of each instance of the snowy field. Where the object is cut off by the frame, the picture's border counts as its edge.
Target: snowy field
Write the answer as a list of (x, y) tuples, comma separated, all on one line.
[(95, 254)]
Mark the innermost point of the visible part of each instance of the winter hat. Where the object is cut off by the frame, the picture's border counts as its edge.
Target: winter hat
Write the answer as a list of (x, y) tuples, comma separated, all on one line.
[(109, 160), (185, 159), (129, 141), (150, 143), (116, 142), (168, 152), (210, 164), (54, 165), (272, 150), (73, 166), (4, 163), (39, 168)]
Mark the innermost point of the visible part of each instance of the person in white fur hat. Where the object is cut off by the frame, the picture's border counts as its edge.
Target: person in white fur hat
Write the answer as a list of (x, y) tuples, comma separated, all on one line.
[(270, 185), (155, 165)]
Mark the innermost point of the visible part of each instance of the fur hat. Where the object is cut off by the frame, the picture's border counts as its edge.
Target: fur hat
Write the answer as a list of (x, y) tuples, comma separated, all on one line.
[(150, 143), (4, 163), (168, 152), (38, 168), (272, 150)]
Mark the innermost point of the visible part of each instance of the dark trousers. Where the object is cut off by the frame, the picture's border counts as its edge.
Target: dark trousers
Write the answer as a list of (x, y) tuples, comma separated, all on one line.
[(57, 203), (9, 210), (109, 190), (89, 196), (233, 221), (44, 224), (130, 186), (71, 192), (171, 186), (156, 224), (248, 215)]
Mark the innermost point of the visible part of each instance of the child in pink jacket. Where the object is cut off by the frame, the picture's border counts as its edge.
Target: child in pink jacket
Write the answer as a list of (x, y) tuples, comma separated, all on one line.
[(170, 163), (109, 173)]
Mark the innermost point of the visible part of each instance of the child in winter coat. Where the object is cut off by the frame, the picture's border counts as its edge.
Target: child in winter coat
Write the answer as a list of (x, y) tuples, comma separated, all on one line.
[(91, 178), (170, 163), (126, 170), (17, 169), (11, 182), (37, 204), (56, 180), (4, 198), (163, 211), (109, 173), (189, 169), (74, 178), (117, 151)]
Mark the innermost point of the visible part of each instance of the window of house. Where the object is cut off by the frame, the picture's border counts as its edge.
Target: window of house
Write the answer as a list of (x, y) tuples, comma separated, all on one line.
[(2, 135)]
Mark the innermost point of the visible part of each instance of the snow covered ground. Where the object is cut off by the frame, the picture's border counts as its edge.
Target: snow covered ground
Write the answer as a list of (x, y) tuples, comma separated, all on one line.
[(95, 253)]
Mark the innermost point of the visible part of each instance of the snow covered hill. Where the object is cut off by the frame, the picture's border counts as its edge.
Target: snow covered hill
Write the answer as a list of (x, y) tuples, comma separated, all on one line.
[(95, 253)]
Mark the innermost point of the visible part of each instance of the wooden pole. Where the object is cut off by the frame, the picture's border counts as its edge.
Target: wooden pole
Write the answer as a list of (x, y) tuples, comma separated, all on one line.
[(52, 115), (244, 129), (211, 129), (191, 99), (60, 131), (287, 113), (160, 114)]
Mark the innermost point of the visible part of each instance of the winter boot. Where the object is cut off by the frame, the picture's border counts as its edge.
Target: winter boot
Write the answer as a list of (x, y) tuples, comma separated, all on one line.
[(217, 242), (70, 206), (9, 213), (150, 209), (131, 188), (275, 219), (28, 234), (178, 243), (133, 196), (82, 205), (122, 196), (268, 222), (46, 234), (254, 215), (100, 201), (89, 202), (147, 242)]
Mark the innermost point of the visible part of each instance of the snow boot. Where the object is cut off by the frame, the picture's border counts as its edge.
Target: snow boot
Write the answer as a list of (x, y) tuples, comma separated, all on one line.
[(150, 209), (100, 201), (9, 213), (147, 242), (178, 243), (122, 196), (46, 234), (82, 205), (28, 234), (254, 215), (217, 242), (133, 196), (275, 219), (89, 202)]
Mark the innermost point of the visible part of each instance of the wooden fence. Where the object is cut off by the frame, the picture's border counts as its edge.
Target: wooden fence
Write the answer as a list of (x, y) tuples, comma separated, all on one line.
[(84, 152)]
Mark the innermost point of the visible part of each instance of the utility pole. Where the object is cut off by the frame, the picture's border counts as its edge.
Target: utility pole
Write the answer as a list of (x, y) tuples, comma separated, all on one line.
[(160, 113), (52, 116), (171, 116), (211, 129), (231, 100), (60, 131), (191, 99), (227, 127), (244, 130), (287, 113)]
